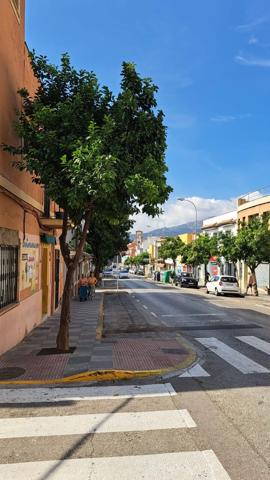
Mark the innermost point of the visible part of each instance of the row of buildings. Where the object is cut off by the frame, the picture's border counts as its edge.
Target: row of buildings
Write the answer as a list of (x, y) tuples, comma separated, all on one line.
[(32, 269), (247, 207)]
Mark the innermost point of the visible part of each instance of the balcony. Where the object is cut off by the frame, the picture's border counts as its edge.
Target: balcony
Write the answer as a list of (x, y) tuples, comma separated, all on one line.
[(53, 223)]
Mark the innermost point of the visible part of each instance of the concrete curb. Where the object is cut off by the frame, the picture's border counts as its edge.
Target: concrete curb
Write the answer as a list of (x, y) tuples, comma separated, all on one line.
[(100, 324)]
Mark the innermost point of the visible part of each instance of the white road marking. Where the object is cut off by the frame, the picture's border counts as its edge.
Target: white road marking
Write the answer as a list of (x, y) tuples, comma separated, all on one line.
[(196, 371), (138, 300), (182, 465), (32, 395), (256, 342), (94, 423), (144, 306), (154, 315), (195, 315), (231, 356)]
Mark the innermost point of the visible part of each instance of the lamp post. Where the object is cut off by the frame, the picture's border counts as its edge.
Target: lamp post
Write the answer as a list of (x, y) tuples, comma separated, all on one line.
[(196, 213)]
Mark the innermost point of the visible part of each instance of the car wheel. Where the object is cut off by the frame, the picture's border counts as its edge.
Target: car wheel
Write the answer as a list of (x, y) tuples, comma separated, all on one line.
[(217, 292)]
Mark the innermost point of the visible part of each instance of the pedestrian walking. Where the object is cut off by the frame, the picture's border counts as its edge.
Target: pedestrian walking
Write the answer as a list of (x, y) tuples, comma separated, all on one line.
[(250, 284), (92, 281), (83, 288)]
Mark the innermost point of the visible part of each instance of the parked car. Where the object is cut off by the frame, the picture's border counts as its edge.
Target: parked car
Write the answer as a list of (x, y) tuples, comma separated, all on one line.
[(186, 279), (139, 271), (123, 273), (222, 284), (107, 272)]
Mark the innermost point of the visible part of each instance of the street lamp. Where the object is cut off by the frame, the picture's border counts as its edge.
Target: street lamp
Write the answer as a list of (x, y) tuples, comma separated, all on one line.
[(196, 213)]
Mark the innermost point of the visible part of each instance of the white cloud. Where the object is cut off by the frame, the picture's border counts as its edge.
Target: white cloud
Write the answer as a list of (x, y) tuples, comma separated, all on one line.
[(252, 61), (229, 118), (253, 41), (248, 27), (177, 213)]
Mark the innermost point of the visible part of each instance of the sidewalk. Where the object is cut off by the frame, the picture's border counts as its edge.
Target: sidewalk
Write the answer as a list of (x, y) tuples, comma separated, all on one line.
[(130, 343)]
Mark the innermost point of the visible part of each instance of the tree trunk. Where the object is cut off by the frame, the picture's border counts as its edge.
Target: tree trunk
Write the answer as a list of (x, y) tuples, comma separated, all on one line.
[(63, 333), (254, 285), (205, 274), (62, 341)]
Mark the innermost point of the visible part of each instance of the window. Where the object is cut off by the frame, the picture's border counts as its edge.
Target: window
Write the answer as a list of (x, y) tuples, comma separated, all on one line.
[(228, 279), (8, 275)]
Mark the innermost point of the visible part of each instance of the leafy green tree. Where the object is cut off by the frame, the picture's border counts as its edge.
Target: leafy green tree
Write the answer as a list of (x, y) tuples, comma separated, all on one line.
[(106, 239), (142, 259), (253, 243), (90, 150), (200, 251), (228, 248), (171, 248)]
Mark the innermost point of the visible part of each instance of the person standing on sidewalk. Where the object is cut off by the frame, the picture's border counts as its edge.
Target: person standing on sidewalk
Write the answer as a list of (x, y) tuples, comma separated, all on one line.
[(250, 283), (92, 281), (82, 290)]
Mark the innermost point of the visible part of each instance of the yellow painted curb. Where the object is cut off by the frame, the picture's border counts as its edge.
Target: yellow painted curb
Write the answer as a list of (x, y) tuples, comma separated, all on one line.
[(91, 376)]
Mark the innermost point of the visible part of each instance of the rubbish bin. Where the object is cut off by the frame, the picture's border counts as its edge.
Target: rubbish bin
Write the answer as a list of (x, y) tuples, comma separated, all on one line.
[(166, 277)]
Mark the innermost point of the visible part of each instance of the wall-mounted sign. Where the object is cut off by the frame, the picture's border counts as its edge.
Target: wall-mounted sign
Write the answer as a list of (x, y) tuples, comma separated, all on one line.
[(30, 266)]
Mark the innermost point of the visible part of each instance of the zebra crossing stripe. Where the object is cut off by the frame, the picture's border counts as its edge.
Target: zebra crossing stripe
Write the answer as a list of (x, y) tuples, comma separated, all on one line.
[(256, 342), (232, 356), (33, 395), (182, 465), (94, 423), (196, 371)]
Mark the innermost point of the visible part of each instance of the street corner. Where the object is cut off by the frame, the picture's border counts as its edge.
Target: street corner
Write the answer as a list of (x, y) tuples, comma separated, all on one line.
[(153, 355)]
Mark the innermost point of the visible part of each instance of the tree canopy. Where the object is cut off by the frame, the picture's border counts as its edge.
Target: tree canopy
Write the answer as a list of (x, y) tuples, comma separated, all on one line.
[(172, 247), (253, 243), (92, 151)]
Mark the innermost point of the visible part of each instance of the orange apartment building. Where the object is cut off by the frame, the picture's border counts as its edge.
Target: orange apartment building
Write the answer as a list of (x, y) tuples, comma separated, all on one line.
[(31, 266), (249, 207)]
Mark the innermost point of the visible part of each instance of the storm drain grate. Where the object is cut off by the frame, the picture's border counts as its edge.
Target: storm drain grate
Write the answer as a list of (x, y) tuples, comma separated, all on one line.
[(55, 351), (11, 372)]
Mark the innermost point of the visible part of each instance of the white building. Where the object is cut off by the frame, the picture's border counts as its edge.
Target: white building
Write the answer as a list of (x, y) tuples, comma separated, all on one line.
[(214, 226)]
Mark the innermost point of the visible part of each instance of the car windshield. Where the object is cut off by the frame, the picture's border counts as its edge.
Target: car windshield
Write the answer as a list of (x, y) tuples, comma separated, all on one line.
[(228, 279), (186, 274)]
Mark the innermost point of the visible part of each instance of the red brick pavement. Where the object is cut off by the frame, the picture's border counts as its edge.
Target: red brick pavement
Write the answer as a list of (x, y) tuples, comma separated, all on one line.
[(38, 367), (147, 354)]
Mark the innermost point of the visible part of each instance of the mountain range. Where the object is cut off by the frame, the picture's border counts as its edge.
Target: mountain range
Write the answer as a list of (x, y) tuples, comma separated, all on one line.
[(171, 231)]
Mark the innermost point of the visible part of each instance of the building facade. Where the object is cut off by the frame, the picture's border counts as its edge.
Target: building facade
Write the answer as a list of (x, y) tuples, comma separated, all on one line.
[(31, 266), (214, 226), (248, 208)]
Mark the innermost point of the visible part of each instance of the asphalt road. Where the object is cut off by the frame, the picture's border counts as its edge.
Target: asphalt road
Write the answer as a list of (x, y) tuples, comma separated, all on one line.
[(228, 395), (210, 425)]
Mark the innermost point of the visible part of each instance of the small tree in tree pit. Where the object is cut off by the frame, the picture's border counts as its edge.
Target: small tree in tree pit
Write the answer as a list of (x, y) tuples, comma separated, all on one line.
[(228, 248), (171, 248), (200, 251), (91, 150), (253, 243), (106, 239)]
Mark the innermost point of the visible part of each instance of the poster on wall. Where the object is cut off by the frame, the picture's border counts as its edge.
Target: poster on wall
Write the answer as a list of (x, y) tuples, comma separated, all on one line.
[(29, 266)]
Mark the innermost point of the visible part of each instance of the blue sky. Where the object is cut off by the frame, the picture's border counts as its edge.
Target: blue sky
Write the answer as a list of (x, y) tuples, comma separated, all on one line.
[(211, 61)]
